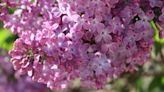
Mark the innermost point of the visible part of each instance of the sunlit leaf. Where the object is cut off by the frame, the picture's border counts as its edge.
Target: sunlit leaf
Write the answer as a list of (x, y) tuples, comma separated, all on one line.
[(4, 42)]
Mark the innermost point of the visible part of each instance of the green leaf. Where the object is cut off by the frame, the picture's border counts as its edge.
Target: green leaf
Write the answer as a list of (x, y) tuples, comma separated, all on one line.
[(157, 48), (11, 10), (4, 42), (139, 84), (32, 1), (156, 85)]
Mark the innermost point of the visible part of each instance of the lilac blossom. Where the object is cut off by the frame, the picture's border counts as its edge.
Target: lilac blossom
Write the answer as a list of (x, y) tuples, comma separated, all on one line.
[(13, 81), (92, 40)]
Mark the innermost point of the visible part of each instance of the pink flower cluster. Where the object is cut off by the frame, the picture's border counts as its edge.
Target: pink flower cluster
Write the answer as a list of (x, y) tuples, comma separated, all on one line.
[(92, 40), (11, 81)]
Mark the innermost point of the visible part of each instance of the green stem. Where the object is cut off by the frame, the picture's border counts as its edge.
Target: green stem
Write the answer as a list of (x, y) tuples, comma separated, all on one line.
[(156, 36)]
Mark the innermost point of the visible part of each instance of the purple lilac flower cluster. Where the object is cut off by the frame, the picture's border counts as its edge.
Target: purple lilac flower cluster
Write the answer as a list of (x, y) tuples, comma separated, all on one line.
[(11, 81), (92, 40)]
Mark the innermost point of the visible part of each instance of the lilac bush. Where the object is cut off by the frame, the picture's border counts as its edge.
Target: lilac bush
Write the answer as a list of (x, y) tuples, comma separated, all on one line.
[(91, 40)]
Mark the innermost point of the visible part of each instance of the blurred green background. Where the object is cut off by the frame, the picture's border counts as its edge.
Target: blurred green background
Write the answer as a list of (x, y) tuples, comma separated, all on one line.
[(148, 78)]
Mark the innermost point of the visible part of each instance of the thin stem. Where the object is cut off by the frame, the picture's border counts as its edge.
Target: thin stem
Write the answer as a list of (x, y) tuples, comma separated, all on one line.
[(156, 36)]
